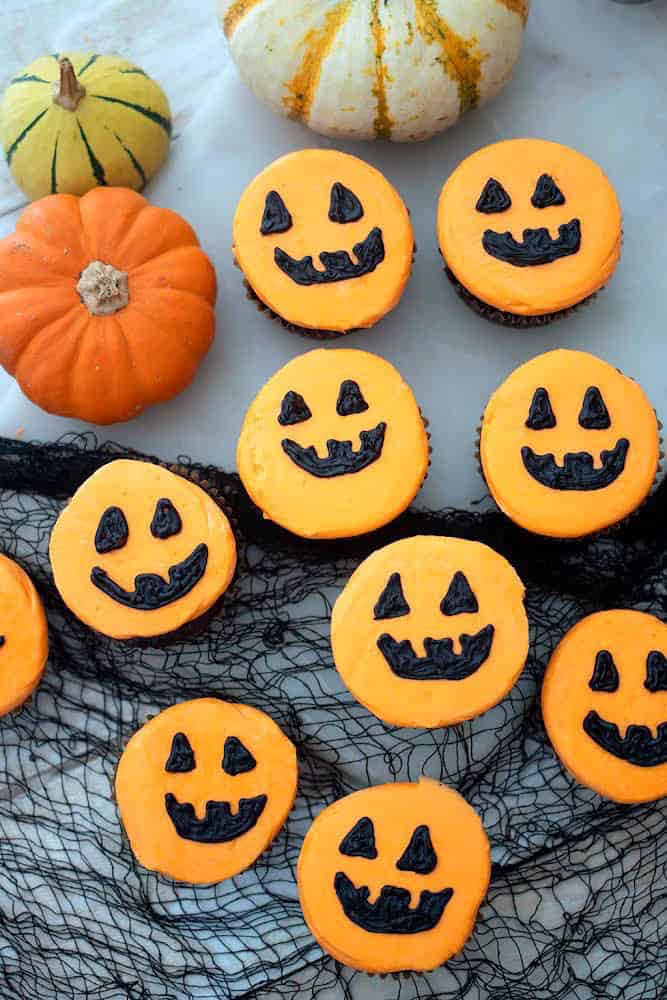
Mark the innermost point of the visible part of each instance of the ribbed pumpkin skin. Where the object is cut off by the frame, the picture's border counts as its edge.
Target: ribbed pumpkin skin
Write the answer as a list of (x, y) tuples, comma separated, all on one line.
[(363, 69), (103, 369), (118, 135)]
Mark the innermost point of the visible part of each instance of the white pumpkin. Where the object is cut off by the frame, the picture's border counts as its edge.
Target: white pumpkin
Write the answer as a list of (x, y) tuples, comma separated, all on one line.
[(364, 69)]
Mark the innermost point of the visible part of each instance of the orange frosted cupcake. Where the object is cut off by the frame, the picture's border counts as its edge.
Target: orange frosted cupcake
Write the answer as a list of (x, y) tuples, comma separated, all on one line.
[(333, 445), (528, 229), (430, 631), (569, 445), (204, 788), (391, 877), (24, 640), (140, 552), (324, 242), (604, 703)]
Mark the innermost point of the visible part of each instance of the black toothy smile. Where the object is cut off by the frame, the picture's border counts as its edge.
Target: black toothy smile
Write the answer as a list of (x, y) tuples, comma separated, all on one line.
[(219, 825), (341, 458), (151, 592), (441, 662), (637, 747), (577, 472), (338, 265), (391, 912), (538, 246)]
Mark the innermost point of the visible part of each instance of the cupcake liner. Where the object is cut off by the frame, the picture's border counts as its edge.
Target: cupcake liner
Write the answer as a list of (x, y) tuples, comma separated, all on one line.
[(511, 320), (302, 331), (611, 529)]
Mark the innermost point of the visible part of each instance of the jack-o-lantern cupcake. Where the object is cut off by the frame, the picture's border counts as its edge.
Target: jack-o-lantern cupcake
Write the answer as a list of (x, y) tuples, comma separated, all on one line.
[(141, 552), (528, 229), (391, 877), (204, 788), (24, 641), (334, 445), (604, 703), (569, 445), (324, 242), (430, 631)]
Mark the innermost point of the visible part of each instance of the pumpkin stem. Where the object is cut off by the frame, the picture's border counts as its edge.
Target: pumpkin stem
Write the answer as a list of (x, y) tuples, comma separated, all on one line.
[(103, 288), (68, 92)]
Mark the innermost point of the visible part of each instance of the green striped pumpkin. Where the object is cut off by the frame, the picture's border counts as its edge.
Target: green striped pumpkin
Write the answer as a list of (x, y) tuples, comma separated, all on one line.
[(375, 69), (73, 121)]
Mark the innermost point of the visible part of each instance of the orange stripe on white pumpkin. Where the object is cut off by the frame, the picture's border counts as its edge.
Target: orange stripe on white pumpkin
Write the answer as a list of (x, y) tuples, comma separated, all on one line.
[(235, 13), (520, 7), (383, 122), (317, 44), (460, 61)]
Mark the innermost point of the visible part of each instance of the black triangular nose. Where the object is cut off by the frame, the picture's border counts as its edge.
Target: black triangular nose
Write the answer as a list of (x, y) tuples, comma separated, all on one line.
[(459, 599), (540, 416), (494, 198), (237, 759), (360, 841), (656, 672), (594, 415), (276, 218), (391, 602), (605, 675), (419, 855), (344, 206)]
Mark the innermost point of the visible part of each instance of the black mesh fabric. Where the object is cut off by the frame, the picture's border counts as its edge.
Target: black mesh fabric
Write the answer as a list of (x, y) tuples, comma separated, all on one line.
[(577, 907)]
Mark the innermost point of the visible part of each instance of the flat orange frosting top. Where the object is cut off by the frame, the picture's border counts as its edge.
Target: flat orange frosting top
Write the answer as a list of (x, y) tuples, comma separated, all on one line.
[(569, 445), (391, 877), (604, 703), (24, 640), (318, 189), (204, 788), (458, 604), (140, 551), (333, 445), (573, 189)]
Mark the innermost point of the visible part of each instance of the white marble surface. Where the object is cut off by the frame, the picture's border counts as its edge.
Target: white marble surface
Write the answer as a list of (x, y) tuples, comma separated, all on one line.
[(593, 75)]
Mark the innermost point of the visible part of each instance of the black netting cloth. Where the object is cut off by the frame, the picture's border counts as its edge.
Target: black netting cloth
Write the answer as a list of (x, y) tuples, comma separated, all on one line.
[(577, 907)]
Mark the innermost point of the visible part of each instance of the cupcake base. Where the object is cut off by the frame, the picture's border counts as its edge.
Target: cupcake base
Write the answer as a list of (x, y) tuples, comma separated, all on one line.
[(508, 319)]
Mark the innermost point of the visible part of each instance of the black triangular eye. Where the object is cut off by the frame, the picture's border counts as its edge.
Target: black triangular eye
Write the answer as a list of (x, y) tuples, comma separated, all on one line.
[(459, 599), (237, 759), (166, 520), (419, 855), (494, 198), (276, 218), (392, 602), (181, 757), (350, 399), (594, 414), (540, 415), (605, 675), (547, 193), (112, 531), (656, 672), (293, 410), (360, 841), (344, 205)]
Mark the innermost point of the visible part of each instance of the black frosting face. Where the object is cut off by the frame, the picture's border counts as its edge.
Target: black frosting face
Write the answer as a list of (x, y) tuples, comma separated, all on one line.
[(391, 913), (639, 746), (341, 458), (219, 825), (578, 471), (538, 247), (440, 661), (151, 591), (337, 265)]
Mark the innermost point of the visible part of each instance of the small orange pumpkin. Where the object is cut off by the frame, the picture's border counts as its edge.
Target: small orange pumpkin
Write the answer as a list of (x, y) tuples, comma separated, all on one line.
[(107, 304)]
